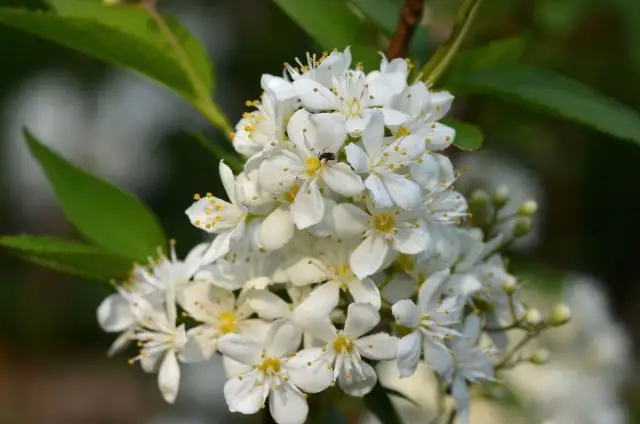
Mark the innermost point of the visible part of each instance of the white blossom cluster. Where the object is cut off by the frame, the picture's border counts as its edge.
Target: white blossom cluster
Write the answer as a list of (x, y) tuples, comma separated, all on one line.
[(342, 244)]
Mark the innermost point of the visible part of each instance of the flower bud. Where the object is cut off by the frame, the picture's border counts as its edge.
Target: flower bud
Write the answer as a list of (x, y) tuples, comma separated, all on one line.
[(522, 226), (509, 285), (533, 317), (501, 196), (528, 208), (480, 207), (561, 315), (540, 357)]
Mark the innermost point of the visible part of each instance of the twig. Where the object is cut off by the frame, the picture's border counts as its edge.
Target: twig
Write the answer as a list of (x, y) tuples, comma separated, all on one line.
[(410, 17)]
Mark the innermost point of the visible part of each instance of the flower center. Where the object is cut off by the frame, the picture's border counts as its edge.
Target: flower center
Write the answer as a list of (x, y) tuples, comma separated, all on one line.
[(227, 322), (270, 366), (312, 166), (342, 344), (290, 195), (402, 131), (354, 107), (405, 262), (384, 222)]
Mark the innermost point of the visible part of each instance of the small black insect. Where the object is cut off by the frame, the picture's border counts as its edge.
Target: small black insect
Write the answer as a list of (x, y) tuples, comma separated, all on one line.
[(326, 156)]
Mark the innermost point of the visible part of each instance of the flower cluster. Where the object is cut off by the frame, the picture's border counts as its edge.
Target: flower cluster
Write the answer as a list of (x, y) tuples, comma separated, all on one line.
[(342, 244)]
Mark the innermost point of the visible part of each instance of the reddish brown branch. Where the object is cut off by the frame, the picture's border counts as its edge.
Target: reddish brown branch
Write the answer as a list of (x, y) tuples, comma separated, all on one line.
[(410, 17)]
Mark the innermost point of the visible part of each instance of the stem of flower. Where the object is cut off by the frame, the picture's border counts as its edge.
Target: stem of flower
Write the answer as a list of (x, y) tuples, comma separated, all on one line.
[(452, 416), (507, 358), (410, 17), (203, 103), (445, 54)]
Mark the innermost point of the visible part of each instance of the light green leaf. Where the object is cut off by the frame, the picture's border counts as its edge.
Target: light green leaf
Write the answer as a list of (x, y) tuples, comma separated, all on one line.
[(128, 36), (332, 25), (68, 257), (503, 52), (377, 401), (555, 94), (468, 137), (110, 217)]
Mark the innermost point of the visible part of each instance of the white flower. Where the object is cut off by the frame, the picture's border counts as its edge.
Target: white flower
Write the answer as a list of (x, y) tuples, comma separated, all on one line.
[(317, 139), (429, 323), (341, 357), (329, 264), (470, 364), (268, 374), (382, 158), (323, 69), (219, 312), (424, 106), (433, 172), (446, 207), (214, 215), (162, 343), (382, 231)]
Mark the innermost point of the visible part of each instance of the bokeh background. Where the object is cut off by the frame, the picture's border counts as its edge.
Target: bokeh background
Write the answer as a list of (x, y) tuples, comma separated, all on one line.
[(132, 132)]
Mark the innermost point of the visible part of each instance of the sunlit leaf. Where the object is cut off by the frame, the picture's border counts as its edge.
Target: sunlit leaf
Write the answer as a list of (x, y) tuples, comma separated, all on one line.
[(110, 217), (556, 94), (332, 25), (68, 257), (468, 137)]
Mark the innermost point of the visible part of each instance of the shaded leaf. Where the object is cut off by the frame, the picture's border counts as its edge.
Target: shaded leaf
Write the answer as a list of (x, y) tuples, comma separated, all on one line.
[(332, 25), (401, 395), (555, 94), (377, 401), (68, 257), (230, 156), (105, 214), (468, 137)]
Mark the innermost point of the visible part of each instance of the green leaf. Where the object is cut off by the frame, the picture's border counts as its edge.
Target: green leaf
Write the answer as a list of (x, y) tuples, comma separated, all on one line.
[(501, 52), (555, 94), (394, 392), (333, 25), (377, 401), (106, 215), (330, 414), (468, 137), (128, 36), (68, 257), (228, 155)]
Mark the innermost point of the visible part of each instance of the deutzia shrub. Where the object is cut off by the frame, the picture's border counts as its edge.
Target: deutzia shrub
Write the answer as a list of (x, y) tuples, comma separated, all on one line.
[(341, 243)]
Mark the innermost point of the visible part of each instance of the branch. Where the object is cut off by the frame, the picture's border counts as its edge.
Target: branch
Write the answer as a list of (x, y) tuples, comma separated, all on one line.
[(410, 17)]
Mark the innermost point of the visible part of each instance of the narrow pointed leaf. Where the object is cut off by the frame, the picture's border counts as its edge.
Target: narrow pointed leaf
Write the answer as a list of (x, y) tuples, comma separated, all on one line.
[(377, 401), (468, 137), (553, 93), (68, 257), (333, 25), (105, 214)]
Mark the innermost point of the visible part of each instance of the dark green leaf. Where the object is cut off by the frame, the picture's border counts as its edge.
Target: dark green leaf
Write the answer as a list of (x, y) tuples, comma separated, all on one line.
[(68, 257), (377, 401), (110, 217), (122, 35), (331, 415), (555, 94), (332, 25), (468, 137), (502, 52), (230, 156)]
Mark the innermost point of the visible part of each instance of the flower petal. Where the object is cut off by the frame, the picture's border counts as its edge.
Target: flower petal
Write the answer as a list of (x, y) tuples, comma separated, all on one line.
[(169, 377), (359, 385), (268, 305), (321, 301), (460, 393), (437, 355), (319, 326), (409, 349), (279, 172), (244, 395), (411, 241), (406, 313), (234, 368), (307, 271), (277, 229), (114, 314), (404, 192), (340, 178), (394, 117), (331, 132), (439, 104), (369, 256), (373, 134), (204, 215), (365, 291), (203, 300), (315, 96), (310, 369), (378, 191), (379, 346), (361, 318), (308, 207), (427, 299), (357, 158), (387, 86), (202, 342), (283, 339), (219, 247), (240, 348), (288, 405), (349, 220), (228, 181)]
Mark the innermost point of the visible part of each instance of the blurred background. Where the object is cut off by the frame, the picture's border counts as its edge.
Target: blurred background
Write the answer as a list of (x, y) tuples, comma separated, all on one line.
[(132, 132)]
